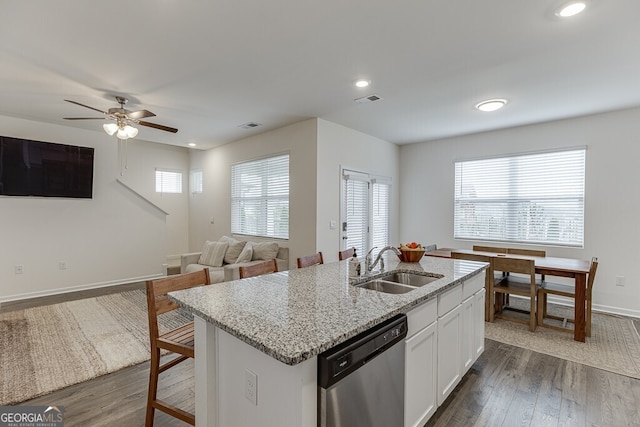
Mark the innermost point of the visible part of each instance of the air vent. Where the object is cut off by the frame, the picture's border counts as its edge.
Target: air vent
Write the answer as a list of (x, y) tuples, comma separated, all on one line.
[(249, 125), (367, 99)]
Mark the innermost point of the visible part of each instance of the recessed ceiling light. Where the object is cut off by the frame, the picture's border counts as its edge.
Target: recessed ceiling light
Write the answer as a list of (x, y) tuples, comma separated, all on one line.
[(491, 104), (192, 144), (570, 9), (362, 83)]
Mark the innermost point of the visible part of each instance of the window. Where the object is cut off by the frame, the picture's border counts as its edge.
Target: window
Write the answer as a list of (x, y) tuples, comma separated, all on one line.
[(365, 211), (168, 181), (195, 181), (260, 197), (528, 198)]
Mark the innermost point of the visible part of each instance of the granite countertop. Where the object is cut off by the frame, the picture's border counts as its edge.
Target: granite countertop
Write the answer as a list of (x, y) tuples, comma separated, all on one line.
[(294, 315)]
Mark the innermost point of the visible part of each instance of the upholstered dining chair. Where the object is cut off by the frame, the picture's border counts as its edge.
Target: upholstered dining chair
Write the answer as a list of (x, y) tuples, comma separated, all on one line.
[(346, 254), (178, 340), (526, 286), (309, 260), (266, 267), (567, 291)]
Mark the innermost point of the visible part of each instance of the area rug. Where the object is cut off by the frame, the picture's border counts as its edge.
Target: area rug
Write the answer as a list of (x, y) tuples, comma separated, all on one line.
[(614, 344), (47, 348)]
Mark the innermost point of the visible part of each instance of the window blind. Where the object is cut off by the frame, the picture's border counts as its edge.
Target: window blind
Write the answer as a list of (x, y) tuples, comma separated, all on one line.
[(168, 181), (356, 208), (528, 198), (380, 213), (260, 197)]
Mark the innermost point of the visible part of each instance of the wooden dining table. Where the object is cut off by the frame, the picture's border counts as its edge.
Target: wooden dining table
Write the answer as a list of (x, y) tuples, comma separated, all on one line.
[(575, 269)]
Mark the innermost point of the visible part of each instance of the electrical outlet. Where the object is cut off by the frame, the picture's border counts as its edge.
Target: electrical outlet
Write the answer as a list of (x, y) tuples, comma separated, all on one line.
[(251, 386), (620, 280), (19, 269), (62, 265)]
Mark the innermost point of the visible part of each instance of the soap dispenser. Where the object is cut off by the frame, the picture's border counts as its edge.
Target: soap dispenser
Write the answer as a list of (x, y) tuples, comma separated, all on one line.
[(354, 265)]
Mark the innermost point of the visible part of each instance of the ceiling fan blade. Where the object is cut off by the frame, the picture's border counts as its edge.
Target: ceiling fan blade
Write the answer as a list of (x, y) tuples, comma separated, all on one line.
[(86, 106), (155, 126), (140, 114), (84, 118)]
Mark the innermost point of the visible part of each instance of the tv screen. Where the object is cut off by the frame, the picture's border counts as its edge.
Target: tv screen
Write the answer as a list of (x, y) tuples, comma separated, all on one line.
[(36, 168)]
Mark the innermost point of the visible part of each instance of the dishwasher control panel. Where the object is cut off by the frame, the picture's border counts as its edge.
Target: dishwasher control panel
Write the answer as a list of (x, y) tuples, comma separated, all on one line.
[(345, 358)]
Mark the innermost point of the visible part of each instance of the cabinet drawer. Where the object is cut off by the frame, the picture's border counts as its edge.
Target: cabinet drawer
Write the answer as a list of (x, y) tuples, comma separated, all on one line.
[(449, 300), (473, 285), (422, 316)]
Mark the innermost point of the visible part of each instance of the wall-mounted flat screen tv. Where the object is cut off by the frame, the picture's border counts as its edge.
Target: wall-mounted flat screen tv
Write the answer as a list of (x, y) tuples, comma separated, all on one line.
[(45, 169)]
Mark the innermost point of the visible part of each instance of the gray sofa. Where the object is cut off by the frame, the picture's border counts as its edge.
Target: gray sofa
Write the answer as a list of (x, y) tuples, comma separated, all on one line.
[(230, 271)]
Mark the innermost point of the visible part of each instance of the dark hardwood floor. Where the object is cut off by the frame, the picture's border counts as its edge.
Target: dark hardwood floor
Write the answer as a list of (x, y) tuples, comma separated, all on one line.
[(508, 386)]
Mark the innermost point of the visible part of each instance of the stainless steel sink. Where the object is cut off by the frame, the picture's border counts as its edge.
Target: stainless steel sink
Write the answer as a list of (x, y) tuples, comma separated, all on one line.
[(410, 278), (399, 282), (386, 287)]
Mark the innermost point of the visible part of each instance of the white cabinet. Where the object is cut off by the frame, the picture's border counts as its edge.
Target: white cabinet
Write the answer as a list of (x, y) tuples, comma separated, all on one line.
[(445, 336), (449, 352), (420, 379), (479, 323), (421, 364)]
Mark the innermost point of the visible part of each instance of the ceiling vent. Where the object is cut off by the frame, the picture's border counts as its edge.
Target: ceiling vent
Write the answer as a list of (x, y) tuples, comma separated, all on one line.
[(249, 125), (367, 99)]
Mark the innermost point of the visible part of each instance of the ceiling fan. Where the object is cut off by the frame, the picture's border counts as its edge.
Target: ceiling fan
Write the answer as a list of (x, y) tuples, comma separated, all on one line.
[(123, 119)]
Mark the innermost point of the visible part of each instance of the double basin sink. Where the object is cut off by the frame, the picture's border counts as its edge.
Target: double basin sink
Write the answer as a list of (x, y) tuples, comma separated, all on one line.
[(399, 282)]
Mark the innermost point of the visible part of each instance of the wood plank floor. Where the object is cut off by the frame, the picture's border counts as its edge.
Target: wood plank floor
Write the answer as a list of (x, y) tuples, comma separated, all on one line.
[(508, 386)]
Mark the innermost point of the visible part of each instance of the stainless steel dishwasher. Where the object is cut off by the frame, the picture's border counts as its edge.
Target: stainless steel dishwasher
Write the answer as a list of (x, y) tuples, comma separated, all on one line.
[(361, 381)]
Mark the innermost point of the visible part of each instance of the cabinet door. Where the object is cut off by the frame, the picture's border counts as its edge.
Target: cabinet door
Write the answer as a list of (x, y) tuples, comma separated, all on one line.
[(479, 323), (468, 333), (449, 352), (420, 376)]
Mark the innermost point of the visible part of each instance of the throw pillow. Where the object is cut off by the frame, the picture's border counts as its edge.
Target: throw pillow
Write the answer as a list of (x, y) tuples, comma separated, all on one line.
[(264, 250), (213, 253), (246, 254), (234, 249)]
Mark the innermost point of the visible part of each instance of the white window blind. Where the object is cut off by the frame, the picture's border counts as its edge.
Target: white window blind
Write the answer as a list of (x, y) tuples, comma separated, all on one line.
[(380, 213), (260, 197), (528, 198), (196, 181), (356, 214), (168, 181), (365, 211)]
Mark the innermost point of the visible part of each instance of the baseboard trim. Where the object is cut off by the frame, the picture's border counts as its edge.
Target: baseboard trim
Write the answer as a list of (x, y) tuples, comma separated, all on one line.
[(70, 289)]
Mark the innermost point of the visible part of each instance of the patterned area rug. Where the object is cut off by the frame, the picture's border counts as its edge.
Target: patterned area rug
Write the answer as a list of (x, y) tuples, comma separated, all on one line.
[(614, 344), (47, 348)]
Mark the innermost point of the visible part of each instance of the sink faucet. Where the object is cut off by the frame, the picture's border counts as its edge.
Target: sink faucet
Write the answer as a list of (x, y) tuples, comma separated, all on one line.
[(379, 259)]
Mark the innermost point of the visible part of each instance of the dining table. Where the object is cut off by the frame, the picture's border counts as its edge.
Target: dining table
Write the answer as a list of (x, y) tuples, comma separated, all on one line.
[(575, 269)]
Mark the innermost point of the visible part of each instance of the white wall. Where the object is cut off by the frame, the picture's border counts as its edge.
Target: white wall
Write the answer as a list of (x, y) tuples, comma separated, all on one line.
[(115, 237), (612, 208), (339, 146), (299, 140)]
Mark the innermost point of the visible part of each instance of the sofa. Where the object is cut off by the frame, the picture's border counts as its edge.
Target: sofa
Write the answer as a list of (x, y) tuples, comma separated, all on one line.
[(224, 257)]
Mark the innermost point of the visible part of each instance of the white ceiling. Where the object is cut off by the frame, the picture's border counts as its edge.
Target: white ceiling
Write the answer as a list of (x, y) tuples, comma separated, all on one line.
[(207, 67)]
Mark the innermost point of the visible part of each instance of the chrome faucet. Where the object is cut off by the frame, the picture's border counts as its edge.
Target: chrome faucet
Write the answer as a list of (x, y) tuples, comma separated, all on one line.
[(379, 259)]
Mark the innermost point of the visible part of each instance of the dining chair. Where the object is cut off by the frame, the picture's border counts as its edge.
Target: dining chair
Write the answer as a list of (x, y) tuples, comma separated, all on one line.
[(492, 249), (266, 267), (526, 286), (178, 340), (430, 248), (528, 252), (309, 260), (567, 291), (345, 254), (489, 301)]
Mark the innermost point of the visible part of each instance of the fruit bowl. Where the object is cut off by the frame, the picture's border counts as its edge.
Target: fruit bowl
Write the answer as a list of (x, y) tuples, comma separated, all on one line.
[(411, 255)]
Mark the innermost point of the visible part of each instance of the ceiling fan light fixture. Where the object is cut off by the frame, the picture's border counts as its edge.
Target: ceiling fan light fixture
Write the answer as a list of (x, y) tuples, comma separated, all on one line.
[(126, 132), (571, 9), (110, 128), (491, 105)]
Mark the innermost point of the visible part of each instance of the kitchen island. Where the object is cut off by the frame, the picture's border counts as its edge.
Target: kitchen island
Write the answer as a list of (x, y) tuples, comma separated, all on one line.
[(257, 339)]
